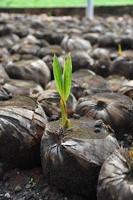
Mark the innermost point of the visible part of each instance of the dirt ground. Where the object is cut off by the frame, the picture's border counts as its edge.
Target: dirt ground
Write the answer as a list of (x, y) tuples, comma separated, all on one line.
[(30, 185)]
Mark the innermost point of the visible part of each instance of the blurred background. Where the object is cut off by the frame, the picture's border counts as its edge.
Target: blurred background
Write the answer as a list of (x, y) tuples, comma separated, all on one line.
[(59, 3)]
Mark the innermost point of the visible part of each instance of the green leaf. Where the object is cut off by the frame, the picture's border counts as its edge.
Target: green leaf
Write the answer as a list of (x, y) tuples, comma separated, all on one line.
[(67, 77), (57, 75)]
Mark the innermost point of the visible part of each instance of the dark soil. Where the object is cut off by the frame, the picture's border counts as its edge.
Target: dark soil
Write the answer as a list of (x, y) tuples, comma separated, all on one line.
[(29, 185)]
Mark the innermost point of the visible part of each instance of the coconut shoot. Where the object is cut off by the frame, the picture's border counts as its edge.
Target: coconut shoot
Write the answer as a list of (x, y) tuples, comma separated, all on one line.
[(63, 80), (119, 50)]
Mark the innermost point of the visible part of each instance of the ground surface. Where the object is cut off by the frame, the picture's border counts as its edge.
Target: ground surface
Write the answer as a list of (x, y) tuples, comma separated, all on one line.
[(29, 185), (62, 3)]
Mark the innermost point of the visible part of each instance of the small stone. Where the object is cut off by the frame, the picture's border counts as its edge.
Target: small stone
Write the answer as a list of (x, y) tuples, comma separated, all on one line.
[(31, 180), (7, 195), (18, 172), (28, 186), (18, 188)]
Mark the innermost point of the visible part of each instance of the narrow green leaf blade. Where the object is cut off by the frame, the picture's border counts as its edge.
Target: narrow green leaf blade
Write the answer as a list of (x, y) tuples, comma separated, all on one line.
[(67, 77), (57, 75)]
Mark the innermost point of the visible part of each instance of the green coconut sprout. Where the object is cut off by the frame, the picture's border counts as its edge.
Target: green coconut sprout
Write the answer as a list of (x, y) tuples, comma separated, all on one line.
[(119, 50), (63, 79)]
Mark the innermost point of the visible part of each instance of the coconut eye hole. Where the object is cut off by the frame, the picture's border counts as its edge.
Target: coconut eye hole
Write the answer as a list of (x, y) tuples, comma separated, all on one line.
[(101, 105)]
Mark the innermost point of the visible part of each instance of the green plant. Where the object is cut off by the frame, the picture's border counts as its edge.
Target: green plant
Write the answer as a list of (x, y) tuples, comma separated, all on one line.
[(63, 85), (119, 50)]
